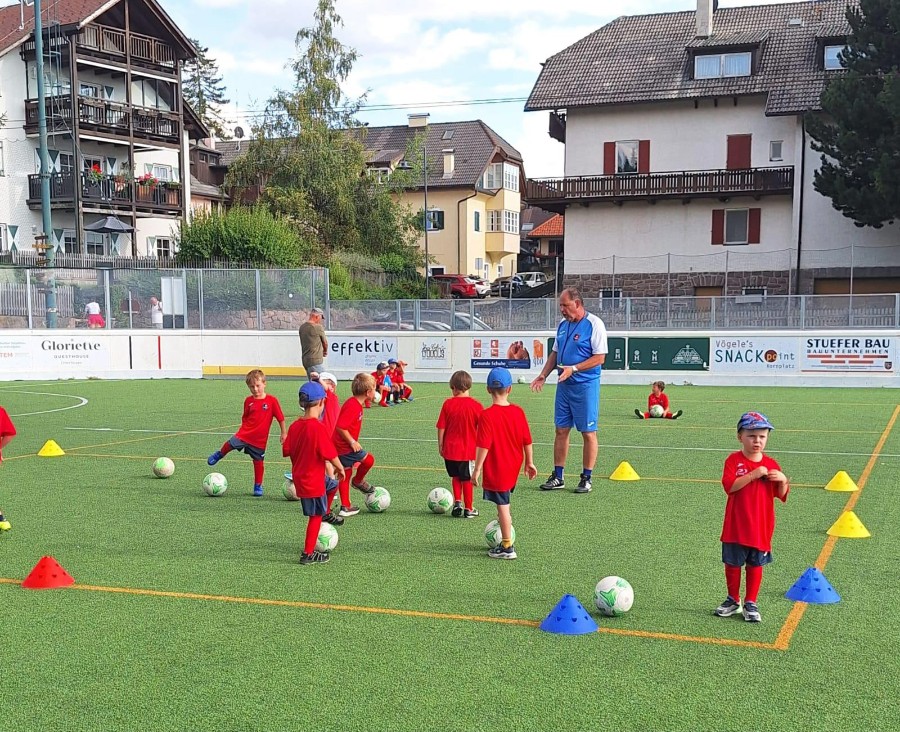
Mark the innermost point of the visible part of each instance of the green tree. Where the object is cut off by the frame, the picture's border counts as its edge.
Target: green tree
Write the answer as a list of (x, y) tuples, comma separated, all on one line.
[(858, 130), (204, 90)]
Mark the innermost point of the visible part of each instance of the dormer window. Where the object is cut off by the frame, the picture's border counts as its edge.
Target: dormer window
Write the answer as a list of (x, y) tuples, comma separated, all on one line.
[(722, 65), (832, 58)]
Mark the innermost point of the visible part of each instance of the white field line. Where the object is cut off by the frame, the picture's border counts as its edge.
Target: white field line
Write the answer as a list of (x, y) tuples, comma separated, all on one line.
[(81, 402)]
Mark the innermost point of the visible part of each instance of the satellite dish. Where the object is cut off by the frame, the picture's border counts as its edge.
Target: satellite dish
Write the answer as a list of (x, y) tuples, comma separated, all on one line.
[(238, 132)]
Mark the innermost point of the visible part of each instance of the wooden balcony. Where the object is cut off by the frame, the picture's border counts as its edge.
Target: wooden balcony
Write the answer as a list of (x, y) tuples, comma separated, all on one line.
[(105, 117), (556, 194), (107, 191)]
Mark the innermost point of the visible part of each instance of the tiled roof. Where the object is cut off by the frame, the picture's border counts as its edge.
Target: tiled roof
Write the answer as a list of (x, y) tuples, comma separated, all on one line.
[(554, 226), (646, 58), (67, 12), (205, 190)]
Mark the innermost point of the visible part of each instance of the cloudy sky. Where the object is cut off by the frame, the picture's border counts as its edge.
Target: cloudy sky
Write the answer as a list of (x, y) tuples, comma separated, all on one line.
[(415, 55)]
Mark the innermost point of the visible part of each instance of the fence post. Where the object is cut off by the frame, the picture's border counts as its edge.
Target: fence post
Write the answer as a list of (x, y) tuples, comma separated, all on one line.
[(802, 312), (200, 298), (130, 312), (106, 298), (28, 303), (312, 288), (897, 310), (712, 313), (550, 304), (327, 296), (628, 313), (398, 313), (258, 302)]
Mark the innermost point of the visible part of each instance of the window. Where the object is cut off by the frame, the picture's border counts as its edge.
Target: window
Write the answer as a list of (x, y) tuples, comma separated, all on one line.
[(2, 169), (627, 156), (66, 162), (478, 221), (719, 65), (753, 291), (555, 247), (448, 135), (88, 163), (436, 270), (503, 221), (501, 175), (163, 247), (162, 172), (776, 153), (434, 220), (69, 242), (94, 243), (510, 177), (832, 58), (736, 226), (4, 241), (89, 90)]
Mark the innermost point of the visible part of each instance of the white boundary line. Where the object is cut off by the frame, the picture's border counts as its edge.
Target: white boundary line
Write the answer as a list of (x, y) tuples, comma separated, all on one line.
[(81, 402)]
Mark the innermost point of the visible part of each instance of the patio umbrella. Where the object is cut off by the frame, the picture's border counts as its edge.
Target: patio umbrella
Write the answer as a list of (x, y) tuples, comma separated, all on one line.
[(109, 225)]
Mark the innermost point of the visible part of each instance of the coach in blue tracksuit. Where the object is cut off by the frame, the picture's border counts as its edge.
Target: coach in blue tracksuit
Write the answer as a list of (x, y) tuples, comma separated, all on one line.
[(578, 354)]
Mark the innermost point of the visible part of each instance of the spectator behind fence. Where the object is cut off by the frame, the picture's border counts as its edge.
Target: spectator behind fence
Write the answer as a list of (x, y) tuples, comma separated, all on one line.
[(156, 313)]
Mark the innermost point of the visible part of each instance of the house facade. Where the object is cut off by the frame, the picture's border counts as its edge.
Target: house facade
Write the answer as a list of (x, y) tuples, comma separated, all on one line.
[(118, 129), (688, 168)]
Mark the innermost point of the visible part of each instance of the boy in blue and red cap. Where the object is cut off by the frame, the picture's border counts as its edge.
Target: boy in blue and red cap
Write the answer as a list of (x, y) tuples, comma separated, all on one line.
[(752, 481)]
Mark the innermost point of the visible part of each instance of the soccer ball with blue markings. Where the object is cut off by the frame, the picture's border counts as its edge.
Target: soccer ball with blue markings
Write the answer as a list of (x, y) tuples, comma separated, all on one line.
[(328, 538), (613, 596)]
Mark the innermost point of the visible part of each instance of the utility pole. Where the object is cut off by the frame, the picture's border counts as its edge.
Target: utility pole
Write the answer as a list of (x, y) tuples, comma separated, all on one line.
[(47, 238)]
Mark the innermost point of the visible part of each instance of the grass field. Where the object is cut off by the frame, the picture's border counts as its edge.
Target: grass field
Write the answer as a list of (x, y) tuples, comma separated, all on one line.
[(192, 613)]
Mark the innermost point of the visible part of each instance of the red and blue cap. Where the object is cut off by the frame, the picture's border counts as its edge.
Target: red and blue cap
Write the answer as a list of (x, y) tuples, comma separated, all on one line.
[(499, 378), (754, 421)]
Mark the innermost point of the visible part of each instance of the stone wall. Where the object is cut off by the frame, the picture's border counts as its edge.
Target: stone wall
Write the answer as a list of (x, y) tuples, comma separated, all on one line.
[(679, 284)]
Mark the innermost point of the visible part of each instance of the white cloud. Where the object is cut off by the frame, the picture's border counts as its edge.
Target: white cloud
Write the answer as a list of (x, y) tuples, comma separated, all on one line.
[(544, 157)]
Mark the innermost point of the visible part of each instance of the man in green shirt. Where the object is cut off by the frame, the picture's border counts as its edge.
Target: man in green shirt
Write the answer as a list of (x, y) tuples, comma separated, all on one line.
[(313, 343)]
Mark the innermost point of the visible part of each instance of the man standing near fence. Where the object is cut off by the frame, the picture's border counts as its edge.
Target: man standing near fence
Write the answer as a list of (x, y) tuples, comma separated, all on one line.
[(313, 343), (578, 354)]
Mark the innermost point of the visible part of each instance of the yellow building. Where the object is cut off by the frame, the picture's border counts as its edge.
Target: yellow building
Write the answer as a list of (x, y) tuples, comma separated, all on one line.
[(472, 190)]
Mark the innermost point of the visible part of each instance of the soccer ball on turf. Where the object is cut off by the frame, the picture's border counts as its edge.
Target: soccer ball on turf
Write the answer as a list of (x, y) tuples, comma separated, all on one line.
[(657, 411), (328, 538), (378, 500), (493, 536), (522, 380), (163, 467), (440, 500), (613, 596), (215, 484), (289, 490)]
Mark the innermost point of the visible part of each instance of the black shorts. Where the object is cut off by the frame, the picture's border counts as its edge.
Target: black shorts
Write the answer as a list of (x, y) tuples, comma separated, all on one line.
[(461, 469), (501, 498), (737, 555)]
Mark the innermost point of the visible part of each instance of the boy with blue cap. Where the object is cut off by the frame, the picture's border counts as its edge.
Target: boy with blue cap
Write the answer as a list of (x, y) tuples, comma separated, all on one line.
[(309, 446), (503, 438), (752, 481)]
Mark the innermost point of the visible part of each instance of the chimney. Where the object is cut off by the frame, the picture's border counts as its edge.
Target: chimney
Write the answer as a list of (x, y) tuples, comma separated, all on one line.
[(705, 10), (449, 162), (418, 120)]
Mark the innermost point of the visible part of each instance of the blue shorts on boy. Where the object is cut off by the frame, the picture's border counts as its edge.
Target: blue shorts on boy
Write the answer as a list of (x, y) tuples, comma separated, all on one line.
[(314, 506), (350, 459), (254, 452), (501, 498)]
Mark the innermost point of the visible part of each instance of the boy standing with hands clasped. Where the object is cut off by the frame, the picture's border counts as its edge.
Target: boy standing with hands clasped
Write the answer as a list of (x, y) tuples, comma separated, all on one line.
[(502, 440), (457, 426), (752, 481)]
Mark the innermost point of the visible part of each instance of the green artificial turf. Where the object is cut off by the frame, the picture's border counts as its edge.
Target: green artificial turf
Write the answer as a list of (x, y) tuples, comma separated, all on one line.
[(91, 659)]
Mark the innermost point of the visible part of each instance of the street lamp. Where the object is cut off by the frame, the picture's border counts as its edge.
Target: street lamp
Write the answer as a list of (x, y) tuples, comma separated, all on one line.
[(417, 121)]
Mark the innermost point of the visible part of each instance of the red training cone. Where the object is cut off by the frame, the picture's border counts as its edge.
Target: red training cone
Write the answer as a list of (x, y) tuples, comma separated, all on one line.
[(47, 575)]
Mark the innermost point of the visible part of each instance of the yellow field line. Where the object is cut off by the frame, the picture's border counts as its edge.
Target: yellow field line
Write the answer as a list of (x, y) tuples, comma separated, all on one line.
[(794, 616)]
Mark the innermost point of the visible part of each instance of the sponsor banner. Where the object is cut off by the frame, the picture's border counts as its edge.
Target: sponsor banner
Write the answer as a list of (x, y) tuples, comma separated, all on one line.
[(615, 355), (668, 354), (747, 354), (70, 353), (870, 354), (15, 354), (359, 352), (513, 352), (433, 353)]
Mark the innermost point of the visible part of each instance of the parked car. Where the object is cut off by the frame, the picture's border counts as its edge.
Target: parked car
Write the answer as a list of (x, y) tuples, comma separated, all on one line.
[(482, 286), (440, 320), (502, 285), (460, 285), (533, 279)]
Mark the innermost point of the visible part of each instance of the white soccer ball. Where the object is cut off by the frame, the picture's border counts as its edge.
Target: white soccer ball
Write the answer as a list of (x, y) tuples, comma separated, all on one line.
[(522, 380), (440, 500), (215, 484), (657, 411), (613, 596), (493, 535), (328, 538), (378, 500), (289, 490), (163, 467)]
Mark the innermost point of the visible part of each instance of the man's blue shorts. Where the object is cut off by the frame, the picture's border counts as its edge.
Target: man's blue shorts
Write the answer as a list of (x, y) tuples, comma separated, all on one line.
[(737, 555), (578, 405), (241, 446)]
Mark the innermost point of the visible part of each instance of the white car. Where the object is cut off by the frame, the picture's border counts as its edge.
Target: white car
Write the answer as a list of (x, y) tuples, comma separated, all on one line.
[(482, 286), (533, 279)]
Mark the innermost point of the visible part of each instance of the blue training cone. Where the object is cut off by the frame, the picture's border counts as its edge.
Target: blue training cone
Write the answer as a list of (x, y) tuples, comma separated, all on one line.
[(569, 618), (812, 587)]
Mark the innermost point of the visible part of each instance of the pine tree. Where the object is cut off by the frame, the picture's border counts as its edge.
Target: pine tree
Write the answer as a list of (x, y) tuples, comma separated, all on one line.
[(858, 130), (204, 90)]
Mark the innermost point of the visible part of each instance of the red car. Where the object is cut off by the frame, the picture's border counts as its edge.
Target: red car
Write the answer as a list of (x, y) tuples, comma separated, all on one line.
[(458, 285)]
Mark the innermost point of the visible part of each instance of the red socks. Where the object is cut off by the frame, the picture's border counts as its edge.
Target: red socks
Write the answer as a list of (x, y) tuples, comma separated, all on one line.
[(467, 493), (364, 467), (733, 582), (457, 490), (225, 449), (754, 580), (259, 469), (312, 534)]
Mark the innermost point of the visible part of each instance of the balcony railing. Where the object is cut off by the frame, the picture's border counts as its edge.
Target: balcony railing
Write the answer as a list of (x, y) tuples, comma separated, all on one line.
[(107, 42), (558, 192), (108, 190), (99, 115)]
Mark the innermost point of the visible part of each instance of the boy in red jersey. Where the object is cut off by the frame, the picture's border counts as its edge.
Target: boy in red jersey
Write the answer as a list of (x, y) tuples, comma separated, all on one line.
[(346, 440), (503, 438), (256, 421), (310, 448), (7, 432), (401, 390), (382, 384), (752, 481), (457, 426), (657, 398)]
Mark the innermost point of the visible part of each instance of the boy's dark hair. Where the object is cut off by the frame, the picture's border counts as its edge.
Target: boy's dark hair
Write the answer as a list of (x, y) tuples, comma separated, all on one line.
[(255, 375), (362, 383), (661, 385), (461, 381)]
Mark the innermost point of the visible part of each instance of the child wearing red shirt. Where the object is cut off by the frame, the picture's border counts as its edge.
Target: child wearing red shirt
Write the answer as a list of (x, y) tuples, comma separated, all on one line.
[(346, 440), (7, 432), (401, 390), (752, 481), (657, 399), (310, 448), (502, 439), (457, 427), (382, 385), (260, 410)]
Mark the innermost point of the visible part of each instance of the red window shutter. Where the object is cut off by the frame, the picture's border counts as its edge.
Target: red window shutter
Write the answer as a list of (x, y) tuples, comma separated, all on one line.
[(738, 156), (644, 156), (609, 158), (753, 224), (718, 226)]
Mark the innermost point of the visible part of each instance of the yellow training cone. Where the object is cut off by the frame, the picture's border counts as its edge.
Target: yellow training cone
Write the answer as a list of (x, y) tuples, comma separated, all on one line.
[(848, 526), (841, 482), (50, 449), (624, 472)]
